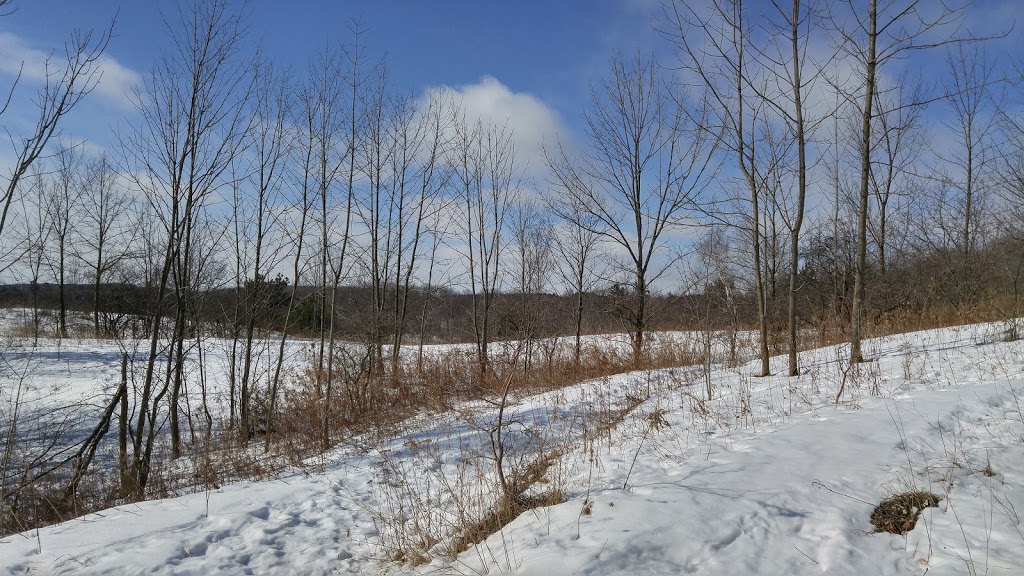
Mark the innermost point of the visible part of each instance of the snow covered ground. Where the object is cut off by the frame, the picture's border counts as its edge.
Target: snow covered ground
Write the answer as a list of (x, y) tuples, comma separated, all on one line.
[(768, 476)]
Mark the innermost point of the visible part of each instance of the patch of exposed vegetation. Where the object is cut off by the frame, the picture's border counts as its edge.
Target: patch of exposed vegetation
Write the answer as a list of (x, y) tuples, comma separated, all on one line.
[(898, 514)]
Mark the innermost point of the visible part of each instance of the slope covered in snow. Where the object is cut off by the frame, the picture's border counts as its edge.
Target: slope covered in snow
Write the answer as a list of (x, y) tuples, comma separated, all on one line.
[(765, 476)]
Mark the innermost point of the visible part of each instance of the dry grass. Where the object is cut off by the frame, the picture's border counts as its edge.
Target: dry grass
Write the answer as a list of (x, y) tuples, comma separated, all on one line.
[(898, 514), (44, 502), (832, 331), (477, 505), (503, 513)]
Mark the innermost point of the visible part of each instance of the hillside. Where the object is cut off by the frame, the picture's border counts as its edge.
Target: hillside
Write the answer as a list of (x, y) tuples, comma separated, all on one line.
[(769, 476)]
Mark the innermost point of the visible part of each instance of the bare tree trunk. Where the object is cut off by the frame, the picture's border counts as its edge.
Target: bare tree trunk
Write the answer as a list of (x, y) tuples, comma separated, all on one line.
[(640, 317), (427, 295), (904, 29), (309, 100), (577, 350), (82, 459), (971, 102), (63, 199), (122, 433), (355, 82), (857, 313)]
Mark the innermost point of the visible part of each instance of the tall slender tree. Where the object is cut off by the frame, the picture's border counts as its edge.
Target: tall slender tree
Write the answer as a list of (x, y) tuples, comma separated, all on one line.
[(62, 201), (488, 178), (718, 54), (874, 34), (104, 236), (972, 97), (269, 146)]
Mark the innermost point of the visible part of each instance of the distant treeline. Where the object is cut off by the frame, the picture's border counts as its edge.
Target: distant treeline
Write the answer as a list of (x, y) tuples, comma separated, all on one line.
[(441, 315), (924, 288)]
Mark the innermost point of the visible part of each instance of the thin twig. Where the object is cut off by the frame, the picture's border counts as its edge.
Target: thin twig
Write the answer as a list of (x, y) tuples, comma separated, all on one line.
[(819, 484), (805, 555)]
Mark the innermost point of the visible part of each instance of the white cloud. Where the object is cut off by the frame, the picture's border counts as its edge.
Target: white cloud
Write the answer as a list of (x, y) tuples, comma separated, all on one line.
[(117, 81), (16, 56), (532, 122)]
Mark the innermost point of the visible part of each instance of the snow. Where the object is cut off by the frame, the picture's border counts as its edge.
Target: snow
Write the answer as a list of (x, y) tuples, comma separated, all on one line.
[(767, 477)]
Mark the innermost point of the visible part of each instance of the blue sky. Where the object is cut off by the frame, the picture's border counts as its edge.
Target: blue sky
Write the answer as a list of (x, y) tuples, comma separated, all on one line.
[(551, 50), (538, 55)]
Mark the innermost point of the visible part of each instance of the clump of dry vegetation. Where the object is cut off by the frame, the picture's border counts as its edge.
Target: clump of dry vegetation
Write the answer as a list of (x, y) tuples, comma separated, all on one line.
[(898, 514)]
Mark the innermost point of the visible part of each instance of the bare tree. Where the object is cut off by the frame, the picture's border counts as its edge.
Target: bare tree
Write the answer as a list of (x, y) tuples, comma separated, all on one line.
[(487, 178), (646, 161), (383, 162), (263, 181), (575, 244), (66, 83), (715, 307), (775, 185), (62, 198), (35, 228), (533, 240), (350, 132), (874, 36), (897, 147), (104, 234), (427, 176), (329, 145), (403, 162), (437, 233), (833, 242), (306, 112), (719, 57), (193, 115), (788, 62), (969, 95), (779, 74)]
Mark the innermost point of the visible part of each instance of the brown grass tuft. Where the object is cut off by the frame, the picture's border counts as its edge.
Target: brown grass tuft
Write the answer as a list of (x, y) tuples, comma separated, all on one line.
[(898, 515)]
